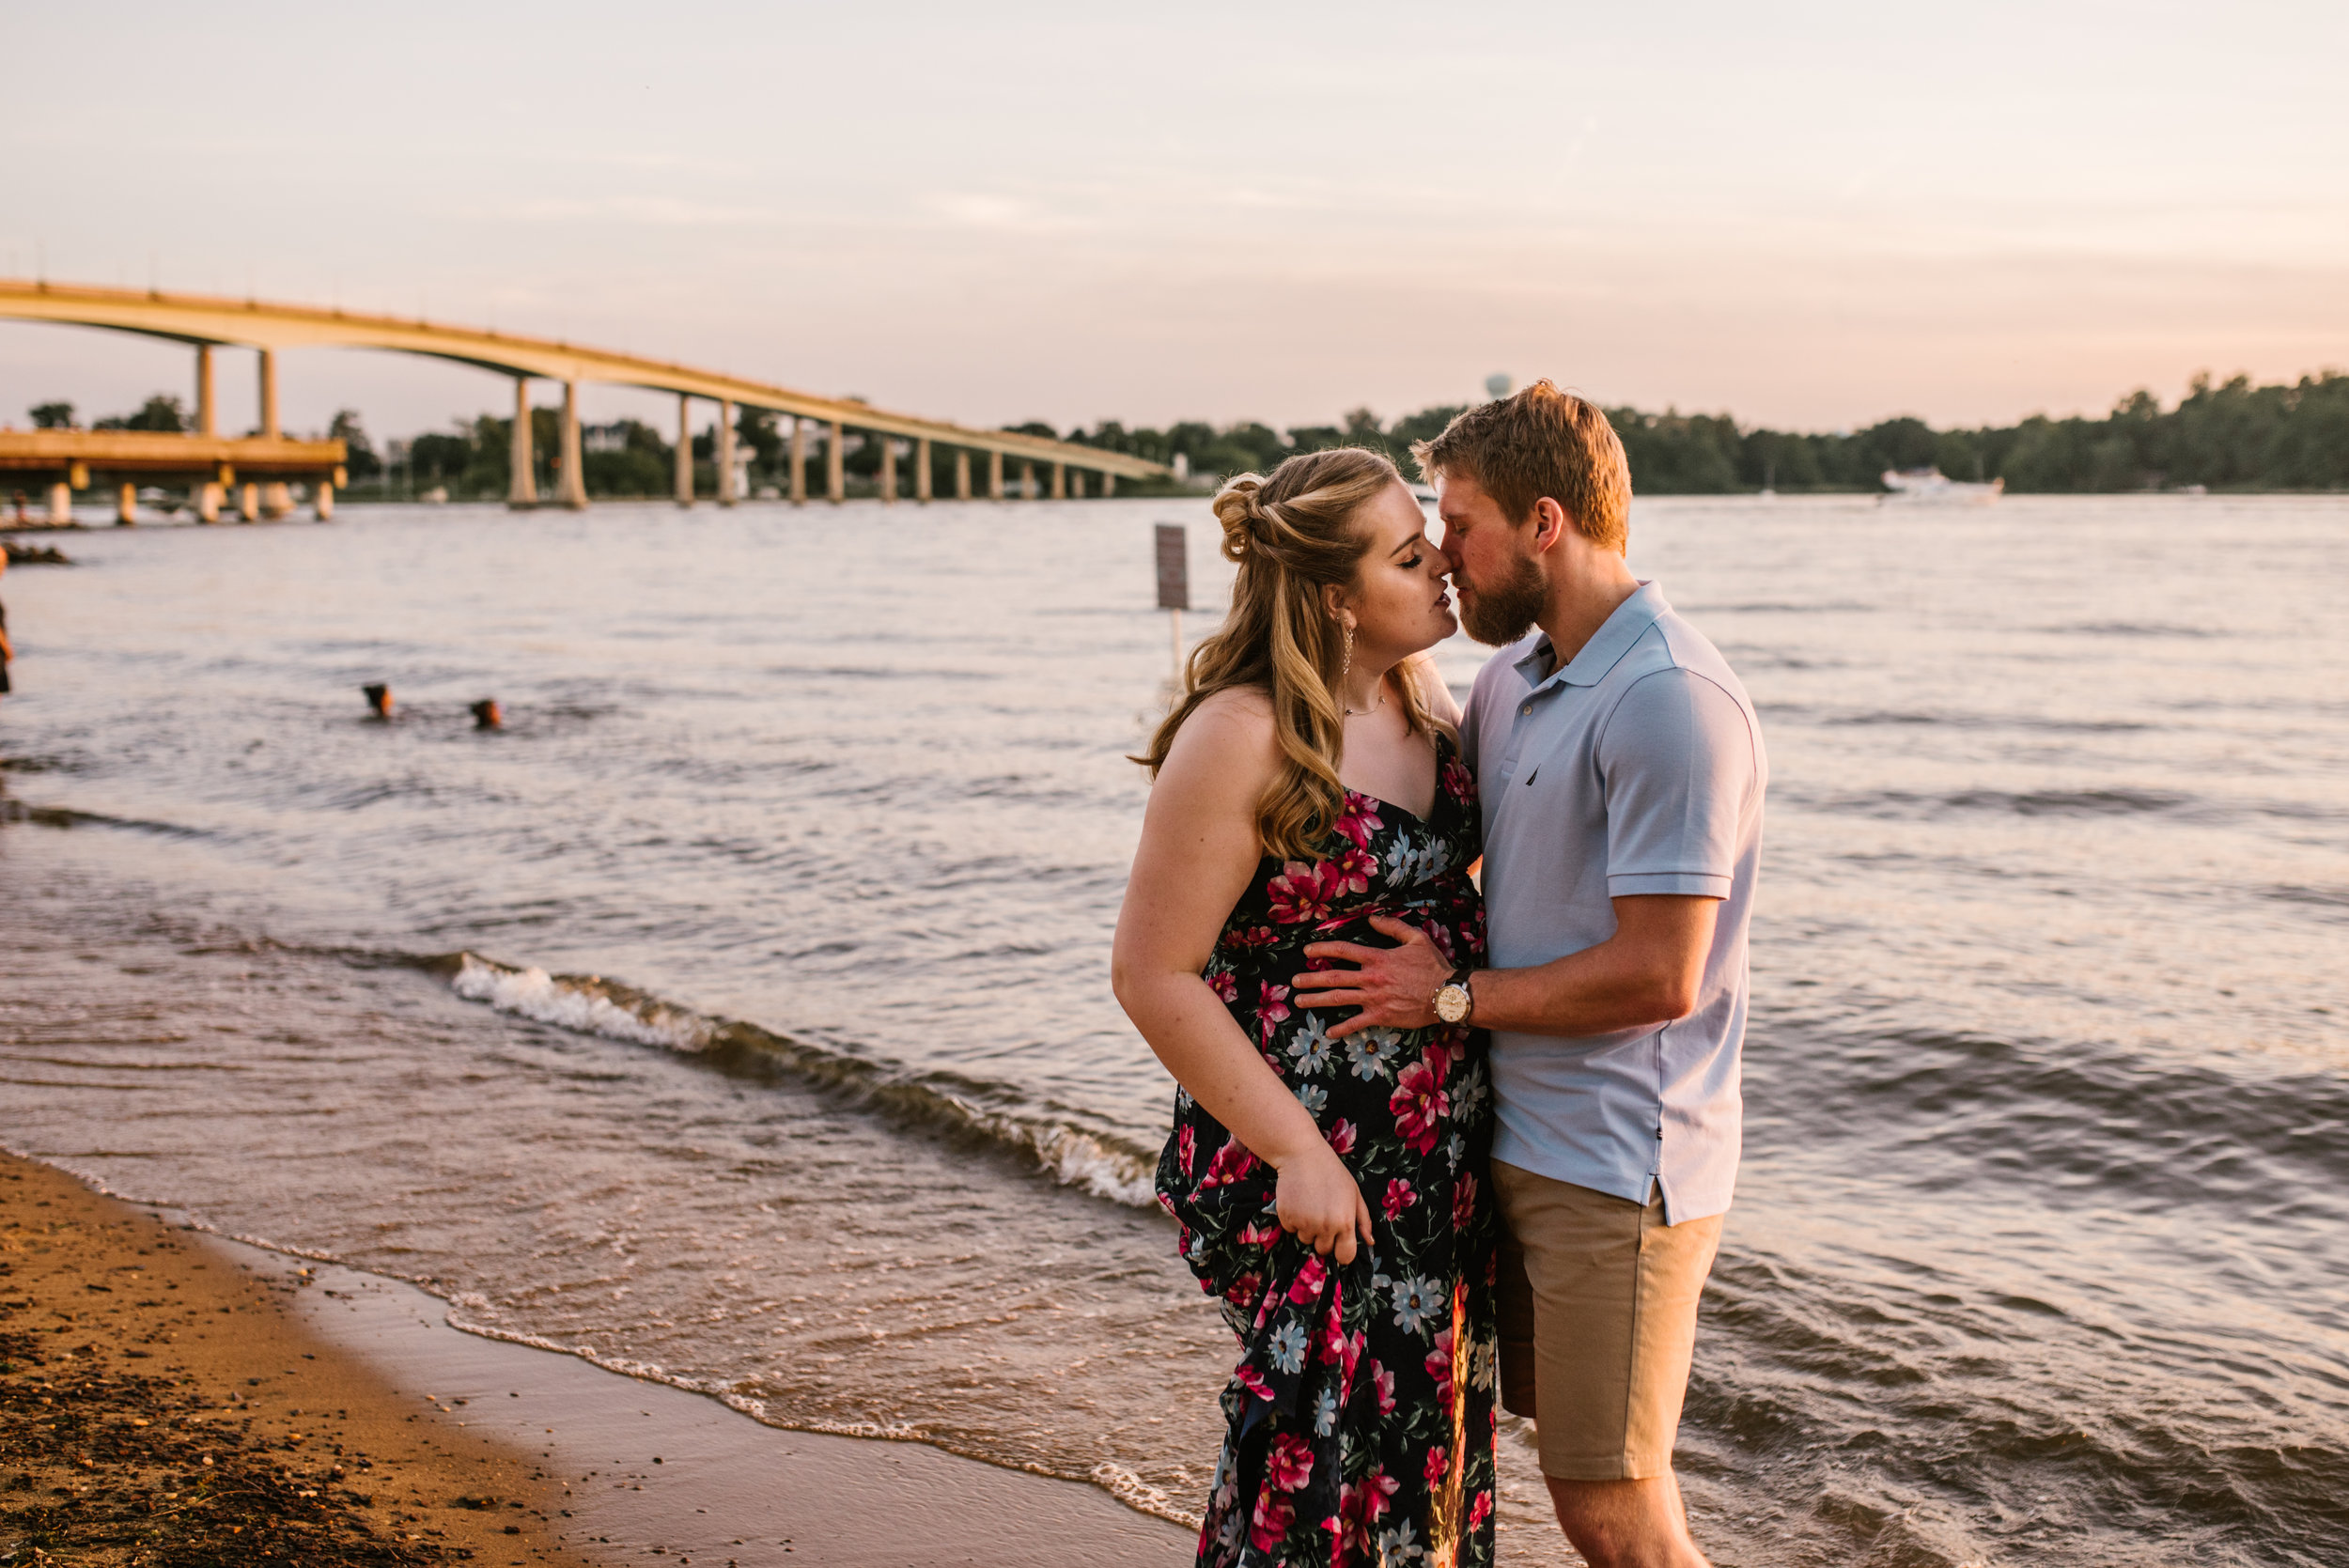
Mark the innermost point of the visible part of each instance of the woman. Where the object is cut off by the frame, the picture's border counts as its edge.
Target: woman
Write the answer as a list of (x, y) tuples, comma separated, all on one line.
[(1331, 1192)]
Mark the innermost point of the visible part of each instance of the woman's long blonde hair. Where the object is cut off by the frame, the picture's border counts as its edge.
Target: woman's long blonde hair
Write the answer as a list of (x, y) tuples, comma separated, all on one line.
[(1294, 532)]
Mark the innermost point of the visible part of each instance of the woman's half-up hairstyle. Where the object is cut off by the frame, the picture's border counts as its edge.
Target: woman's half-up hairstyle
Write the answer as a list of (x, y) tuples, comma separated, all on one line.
[(1293, 532)]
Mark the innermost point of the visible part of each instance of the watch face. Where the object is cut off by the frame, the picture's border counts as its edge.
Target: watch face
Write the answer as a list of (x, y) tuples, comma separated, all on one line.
[(1452, 1002)]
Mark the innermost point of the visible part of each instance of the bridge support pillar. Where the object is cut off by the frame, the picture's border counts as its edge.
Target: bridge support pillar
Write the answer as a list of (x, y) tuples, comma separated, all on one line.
[(1060, 482), (126, 504), (799, 461), (1076, 484), (208, 499), (962, 473), (922, 469), (888, 469), (835, 460), (723, 448), (995, 477), (249, 502), (269, 393), (684, 450), (323, 501), (60, 504), (1109, 485), (522, 489), (1027, 481), (574, 476), (207, 414), (277, 500)]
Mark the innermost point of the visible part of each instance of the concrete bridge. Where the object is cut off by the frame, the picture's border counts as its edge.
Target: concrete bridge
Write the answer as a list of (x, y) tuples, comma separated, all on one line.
[(207, 322)]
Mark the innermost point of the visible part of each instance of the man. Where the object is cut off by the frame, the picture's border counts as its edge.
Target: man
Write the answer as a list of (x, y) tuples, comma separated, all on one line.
[(1622, 774)]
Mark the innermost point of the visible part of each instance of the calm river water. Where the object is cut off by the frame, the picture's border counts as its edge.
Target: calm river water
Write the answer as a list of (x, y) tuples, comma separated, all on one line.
[(739, 1016)]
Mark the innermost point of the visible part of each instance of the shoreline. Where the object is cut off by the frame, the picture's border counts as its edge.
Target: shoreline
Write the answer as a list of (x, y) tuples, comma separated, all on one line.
[(586, 1466)]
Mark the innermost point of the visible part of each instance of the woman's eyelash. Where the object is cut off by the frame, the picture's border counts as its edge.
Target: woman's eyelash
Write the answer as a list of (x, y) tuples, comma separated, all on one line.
[(1414, 561)]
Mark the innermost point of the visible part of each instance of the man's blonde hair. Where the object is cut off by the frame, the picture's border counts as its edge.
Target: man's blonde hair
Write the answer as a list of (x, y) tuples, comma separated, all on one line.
[(1540, 443)]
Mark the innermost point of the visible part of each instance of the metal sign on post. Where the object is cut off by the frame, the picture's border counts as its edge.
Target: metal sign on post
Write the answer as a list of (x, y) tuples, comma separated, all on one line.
[(1174, 581)]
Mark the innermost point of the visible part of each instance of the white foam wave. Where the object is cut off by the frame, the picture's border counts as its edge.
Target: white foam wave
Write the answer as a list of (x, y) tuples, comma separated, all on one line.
[(533, 993), (1075, 1156)]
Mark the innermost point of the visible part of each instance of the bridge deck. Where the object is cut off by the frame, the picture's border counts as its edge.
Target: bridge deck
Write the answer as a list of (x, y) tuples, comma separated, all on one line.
[(159, 452)]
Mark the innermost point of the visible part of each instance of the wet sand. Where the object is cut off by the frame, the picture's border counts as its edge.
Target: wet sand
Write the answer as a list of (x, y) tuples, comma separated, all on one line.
[(162, 1404), (587, 1467)]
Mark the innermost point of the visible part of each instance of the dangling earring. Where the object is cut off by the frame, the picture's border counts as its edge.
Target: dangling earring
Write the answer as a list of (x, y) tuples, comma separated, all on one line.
[(1347, 667)]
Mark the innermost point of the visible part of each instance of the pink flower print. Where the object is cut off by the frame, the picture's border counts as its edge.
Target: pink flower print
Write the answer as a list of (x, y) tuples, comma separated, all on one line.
[(1256, 936), (1480, 1511), (1230, 1163), (1272, 1003), (1252, 1380), (1300, 892), (1225, 985), (1259, 1235), (1290, 1465), (1331, 1347), (1464, 1200), (1243, 1290), (1186, 1148), (1350, 871), (1342, 1136), (1440, 1366), (1362, 1504), (1399, 1197), (1382, 1383), (1439, 937), (1309, 1278), (1458, 781), (1439, 1461), (1358, 820), (1274, 1515), (1419, 1106)]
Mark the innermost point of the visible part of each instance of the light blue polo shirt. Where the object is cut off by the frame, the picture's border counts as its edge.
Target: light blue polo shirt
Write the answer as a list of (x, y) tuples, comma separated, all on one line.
[(1637, 768)]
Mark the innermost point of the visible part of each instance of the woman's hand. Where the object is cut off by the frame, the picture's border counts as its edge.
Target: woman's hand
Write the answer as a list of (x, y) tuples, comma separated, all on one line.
[(1319, 1201)]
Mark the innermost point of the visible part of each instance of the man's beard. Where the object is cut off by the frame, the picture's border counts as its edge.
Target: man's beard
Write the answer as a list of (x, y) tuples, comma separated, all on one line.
[(1505, 610)]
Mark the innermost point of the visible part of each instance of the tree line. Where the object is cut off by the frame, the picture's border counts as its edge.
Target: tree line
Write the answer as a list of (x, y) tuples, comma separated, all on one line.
[(2233, 436)]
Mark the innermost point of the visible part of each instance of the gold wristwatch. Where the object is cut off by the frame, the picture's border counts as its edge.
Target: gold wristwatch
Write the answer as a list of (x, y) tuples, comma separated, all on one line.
[(1452, 1001)]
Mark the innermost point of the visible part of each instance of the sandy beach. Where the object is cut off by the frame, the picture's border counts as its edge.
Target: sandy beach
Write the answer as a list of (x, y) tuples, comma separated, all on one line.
[(170, 1396)]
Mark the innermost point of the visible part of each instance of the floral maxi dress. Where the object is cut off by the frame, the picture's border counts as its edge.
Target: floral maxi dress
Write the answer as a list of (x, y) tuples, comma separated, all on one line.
[(1359, 1417)]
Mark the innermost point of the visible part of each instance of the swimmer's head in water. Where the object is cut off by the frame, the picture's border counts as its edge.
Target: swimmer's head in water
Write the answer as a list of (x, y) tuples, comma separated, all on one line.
[(378, 699), (487, 715)]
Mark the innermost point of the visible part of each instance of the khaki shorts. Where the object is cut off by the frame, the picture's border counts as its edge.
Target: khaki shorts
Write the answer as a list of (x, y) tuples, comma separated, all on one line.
[(1599, 1322)]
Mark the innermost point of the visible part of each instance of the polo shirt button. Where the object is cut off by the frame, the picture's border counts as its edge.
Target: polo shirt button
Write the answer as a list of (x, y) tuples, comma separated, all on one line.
[(1526, 709)]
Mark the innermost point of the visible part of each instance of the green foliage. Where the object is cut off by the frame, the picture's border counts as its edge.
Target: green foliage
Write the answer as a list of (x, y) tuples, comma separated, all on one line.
[(162, 411), (52, 416), (359, 458)]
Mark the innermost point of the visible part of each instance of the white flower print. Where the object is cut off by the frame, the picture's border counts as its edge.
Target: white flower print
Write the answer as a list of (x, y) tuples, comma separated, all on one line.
[(1310, 1048), (1372, 1052), (1417, 1300), (1325, 1413), (1313, 1097), (1287, 1348)]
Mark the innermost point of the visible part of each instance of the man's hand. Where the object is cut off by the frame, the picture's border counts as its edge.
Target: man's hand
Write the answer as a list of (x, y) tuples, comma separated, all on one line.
[(1395, 986)]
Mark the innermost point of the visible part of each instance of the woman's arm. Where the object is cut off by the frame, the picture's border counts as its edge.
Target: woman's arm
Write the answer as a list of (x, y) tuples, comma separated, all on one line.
[(1198, 850)]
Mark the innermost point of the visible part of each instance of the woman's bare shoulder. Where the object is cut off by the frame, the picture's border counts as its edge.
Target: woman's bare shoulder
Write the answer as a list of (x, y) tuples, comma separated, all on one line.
[(1230, 733), (1434, 695)]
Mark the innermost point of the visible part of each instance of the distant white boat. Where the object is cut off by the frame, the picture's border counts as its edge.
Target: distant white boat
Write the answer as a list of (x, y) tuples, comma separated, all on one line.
[(1931, 486)]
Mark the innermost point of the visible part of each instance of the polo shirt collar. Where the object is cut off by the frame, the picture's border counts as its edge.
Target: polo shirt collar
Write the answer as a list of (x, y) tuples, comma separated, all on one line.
[(1607, 646)]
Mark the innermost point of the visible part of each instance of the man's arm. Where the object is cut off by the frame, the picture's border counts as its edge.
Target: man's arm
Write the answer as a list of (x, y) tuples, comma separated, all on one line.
[(1647, 974)]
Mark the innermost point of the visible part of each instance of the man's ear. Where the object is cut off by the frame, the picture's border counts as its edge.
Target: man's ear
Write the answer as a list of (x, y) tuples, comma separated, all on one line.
[(1551, 525)]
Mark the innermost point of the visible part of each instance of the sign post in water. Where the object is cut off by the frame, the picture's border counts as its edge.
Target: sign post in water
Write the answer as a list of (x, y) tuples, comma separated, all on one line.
[(1175, 582)]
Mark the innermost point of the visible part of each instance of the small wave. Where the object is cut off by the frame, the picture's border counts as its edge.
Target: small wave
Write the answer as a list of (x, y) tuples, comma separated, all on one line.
[(2134, 629), (1062, 1143), (2043, 802), (65, 816)]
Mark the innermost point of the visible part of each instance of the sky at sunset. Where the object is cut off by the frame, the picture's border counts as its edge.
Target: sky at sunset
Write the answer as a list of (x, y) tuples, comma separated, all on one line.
[(1806, 215)]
